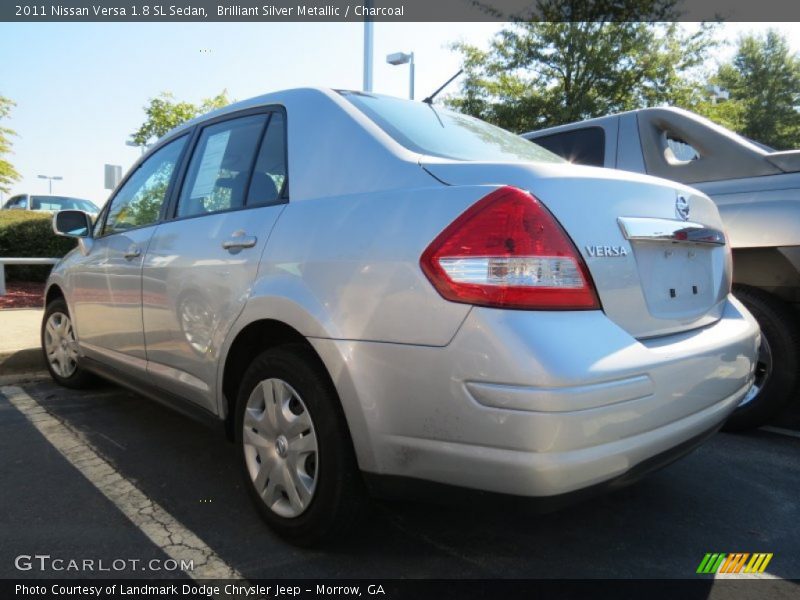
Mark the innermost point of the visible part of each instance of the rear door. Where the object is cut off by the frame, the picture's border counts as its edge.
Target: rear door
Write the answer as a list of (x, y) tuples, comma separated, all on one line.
[(202, 262)]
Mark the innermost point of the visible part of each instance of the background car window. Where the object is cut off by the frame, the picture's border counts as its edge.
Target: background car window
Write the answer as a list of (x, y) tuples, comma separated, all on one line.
[(585, 146), (220, 167), (269, 174), (18, 202), (139, 201), (681, 150), (61, 203)]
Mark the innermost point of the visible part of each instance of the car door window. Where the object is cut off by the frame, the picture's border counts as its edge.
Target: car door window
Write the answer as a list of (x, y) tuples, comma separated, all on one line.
[(19, 202), (138, 202), (220, 168), (586, 146), (679, 150), (268, 184)]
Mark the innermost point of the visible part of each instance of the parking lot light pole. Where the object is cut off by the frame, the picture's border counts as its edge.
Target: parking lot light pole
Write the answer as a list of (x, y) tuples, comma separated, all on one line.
[(401, 58), (133, 144), (50, 179), (368, 41)]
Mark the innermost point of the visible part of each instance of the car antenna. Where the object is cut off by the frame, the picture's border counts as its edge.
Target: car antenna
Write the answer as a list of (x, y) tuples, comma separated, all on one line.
[(429, 99)]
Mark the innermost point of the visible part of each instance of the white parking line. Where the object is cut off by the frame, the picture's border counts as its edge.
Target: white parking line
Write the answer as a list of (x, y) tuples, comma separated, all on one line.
[(781, 431), (164, 530)]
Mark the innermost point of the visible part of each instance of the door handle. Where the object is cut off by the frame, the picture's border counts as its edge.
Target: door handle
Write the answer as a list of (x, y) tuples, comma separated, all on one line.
[(237, 242), (133, 252)]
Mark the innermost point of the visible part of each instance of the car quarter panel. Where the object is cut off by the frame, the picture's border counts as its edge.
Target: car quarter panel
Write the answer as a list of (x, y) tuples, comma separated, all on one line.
[(348, 268), (538, 403)]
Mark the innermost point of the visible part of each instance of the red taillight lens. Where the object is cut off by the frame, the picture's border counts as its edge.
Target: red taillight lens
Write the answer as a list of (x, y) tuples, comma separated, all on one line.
[(508, 251)]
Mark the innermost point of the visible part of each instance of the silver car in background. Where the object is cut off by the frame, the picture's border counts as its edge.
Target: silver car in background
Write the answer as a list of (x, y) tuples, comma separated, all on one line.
[(366, 290)]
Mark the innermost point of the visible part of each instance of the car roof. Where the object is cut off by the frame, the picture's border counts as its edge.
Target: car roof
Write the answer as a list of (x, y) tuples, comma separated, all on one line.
[(282, 97)]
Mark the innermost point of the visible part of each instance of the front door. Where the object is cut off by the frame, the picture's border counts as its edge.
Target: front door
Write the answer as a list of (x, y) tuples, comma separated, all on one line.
[(201, 265), (107, 289)]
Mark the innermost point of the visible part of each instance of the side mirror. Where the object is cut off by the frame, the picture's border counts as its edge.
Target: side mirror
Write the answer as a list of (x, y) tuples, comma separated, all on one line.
[(72, 223)]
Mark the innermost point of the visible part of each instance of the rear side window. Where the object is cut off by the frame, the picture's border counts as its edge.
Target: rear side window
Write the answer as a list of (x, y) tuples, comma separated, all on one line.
[(220, 167), (679, 150), (585, 146), (268, 184)]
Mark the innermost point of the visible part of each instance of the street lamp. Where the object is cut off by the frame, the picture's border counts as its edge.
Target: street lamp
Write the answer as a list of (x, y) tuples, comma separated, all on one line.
[(401, 58), (133, 144), (51, 179)]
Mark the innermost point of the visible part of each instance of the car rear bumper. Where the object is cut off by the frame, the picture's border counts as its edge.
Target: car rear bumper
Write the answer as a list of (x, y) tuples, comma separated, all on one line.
[(538, 404)]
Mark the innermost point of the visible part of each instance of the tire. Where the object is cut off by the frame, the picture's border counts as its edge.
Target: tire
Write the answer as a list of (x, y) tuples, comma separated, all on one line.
[(59, 347), (778, 371), (308, 497)]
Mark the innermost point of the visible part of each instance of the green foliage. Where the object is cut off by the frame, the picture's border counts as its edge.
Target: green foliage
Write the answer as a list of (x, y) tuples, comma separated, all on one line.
[(728, 113), (763, 80), (8, 174), (538, 74), (26, 235), (164, 113)]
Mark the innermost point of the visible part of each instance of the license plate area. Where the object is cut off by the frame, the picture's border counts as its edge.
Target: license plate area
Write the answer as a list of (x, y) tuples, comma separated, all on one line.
[(678, 280)]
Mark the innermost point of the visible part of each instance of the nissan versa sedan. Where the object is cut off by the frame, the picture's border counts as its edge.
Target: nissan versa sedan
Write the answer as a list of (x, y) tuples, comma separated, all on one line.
[(368, 291)]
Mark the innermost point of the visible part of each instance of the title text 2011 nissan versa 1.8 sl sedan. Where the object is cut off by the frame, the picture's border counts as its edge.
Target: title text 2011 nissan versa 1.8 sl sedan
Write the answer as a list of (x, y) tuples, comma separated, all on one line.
[(367, 290)]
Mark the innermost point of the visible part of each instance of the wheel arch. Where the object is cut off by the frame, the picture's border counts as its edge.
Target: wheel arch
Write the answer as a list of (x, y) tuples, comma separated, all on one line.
[(775, 271), (262, 334), (53, 292)]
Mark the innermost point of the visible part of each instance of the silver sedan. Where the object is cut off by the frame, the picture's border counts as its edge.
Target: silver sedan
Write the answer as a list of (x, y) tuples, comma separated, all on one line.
[(367, 291)]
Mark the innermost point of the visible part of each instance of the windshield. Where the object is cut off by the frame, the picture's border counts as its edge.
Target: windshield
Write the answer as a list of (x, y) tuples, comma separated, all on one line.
[(62, 203), (436, 131)]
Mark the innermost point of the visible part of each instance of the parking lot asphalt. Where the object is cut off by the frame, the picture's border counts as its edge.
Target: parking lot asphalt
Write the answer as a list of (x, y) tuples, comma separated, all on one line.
[(737, 493)]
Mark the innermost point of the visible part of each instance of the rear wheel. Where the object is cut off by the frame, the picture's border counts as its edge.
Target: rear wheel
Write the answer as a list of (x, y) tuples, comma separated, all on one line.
[(777, 376), (60, 347), (295, 450)]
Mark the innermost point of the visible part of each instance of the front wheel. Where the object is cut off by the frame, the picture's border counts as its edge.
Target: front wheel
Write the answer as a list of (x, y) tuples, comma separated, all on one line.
[(777, 376), (60, 347), (295, 449)]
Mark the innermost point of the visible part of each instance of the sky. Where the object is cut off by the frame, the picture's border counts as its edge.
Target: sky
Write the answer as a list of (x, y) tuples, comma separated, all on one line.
[(80, 88)]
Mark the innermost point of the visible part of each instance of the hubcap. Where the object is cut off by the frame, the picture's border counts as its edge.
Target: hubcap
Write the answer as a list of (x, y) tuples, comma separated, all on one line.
[(59, 345), (762, 372), (280, 447)]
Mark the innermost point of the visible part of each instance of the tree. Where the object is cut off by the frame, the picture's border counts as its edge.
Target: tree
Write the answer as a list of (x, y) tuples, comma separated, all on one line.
[(164, 113), (763, 80), (8, 174), (538, 74)]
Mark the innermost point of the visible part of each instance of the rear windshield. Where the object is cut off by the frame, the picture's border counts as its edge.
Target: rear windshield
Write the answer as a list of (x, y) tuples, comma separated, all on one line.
[(439, 132)]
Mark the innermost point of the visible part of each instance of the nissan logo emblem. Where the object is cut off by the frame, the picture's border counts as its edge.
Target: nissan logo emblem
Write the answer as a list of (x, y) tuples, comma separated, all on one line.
[(682, 207)]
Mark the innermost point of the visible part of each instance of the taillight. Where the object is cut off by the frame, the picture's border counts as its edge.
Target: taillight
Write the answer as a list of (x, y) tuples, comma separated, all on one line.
[(508, 251)]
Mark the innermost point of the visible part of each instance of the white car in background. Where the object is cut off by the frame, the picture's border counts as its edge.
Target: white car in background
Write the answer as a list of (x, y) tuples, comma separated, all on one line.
[(50, 204)]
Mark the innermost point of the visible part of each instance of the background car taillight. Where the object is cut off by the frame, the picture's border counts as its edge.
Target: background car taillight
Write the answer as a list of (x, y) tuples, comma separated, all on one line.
[(508, 251)]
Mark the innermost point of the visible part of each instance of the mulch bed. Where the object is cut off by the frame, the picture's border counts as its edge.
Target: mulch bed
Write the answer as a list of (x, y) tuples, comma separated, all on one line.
[(22, 294)]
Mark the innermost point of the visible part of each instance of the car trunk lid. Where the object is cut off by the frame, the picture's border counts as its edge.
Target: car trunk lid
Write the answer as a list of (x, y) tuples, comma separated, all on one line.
[(654, 248)]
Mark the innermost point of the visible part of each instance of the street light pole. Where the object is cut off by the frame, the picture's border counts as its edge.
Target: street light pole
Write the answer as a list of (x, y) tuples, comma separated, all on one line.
[(133, 144), (368, 51), (50, 179), (401, 58), (411, 77)]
